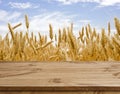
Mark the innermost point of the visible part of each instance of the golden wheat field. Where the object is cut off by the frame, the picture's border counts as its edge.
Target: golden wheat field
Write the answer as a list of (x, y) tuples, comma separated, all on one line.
[(64, 46)]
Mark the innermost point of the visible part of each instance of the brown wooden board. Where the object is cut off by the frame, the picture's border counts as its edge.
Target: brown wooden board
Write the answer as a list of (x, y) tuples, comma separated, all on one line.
[(60, 77)]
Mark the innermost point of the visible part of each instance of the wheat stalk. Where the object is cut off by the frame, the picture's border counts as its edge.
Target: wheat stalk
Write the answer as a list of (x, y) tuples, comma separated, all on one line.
[(16, 26), (109, 29), (90, 45), (117, 25), (27, 22), (50, 31), (11, 31)]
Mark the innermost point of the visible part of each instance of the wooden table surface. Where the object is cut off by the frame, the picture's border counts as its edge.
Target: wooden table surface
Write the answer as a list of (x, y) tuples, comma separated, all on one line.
[(62, 76)]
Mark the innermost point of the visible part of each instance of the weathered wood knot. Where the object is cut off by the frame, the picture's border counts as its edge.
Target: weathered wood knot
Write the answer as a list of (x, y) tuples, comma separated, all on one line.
[(117, 75), (55, 80)]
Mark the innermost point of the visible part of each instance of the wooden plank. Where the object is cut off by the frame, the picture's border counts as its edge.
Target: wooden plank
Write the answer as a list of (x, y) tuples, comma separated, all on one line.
[(77, 92), (62, 76)]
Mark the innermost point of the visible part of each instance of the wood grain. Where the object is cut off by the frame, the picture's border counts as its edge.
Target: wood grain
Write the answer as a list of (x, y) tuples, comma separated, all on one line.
[(58, 77), (77, 92)]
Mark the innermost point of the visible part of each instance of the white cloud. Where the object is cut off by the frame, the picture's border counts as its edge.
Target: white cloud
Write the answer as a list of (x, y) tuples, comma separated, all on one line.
[(100, 2), (40, 23), (15, 15), (3, 15), (75, 1), (8, 16), (3, 30), (109, 2), (20, 5), (84, 21)]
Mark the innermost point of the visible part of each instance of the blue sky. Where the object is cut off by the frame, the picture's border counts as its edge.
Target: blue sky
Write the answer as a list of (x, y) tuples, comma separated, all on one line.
[(59, 13)]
